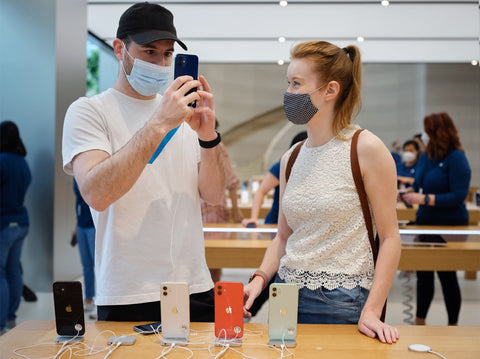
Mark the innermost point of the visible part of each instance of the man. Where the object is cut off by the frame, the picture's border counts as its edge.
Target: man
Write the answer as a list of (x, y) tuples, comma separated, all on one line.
[(137, 161)]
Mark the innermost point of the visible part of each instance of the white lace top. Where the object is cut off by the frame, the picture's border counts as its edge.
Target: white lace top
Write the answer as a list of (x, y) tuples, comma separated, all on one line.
[(329, 245)]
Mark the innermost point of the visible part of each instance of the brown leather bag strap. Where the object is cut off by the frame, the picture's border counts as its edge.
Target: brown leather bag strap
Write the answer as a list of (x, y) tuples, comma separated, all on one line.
[(291, 160), (357, 177)]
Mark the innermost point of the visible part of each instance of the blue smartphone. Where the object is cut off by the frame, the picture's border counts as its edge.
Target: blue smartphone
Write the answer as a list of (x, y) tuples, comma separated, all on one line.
[(187, 64)]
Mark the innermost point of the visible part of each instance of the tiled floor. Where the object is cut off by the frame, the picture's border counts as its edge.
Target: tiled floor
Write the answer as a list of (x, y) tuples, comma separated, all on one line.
[(399, 301)]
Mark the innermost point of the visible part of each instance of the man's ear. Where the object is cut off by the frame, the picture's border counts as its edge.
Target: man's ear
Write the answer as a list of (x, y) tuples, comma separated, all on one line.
[(332, 90), (118, 49)]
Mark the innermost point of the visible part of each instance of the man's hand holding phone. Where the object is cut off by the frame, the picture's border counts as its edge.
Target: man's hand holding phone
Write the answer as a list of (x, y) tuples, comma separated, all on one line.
[(173, 108), (203, 118)]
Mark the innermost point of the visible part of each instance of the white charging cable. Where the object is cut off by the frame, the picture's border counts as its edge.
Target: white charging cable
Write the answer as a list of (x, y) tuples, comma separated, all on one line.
[(112, 350)]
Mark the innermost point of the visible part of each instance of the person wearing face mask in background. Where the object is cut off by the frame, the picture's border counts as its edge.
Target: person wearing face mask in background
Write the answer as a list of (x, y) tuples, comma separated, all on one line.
[(322, 243), (142, 162), (406, 170), (440, 189)]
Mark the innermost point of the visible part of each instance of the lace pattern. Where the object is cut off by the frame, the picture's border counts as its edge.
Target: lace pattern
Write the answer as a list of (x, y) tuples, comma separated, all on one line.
[(329, 245), (327, 280)]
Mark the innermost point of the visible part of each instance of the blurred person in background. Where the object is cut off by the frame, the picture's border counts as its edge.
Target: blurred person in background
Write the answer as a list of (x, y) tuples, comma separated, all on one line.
[(15, 177), (407, 169), (85, 237), (269, 182), (219, 213), (440, 189)]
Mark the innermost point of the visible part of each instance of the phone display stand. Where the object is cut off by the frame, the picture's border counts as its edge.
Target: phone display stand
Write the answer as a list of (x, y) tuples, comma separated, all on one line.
[(233, 342), (176, 341), (289, 343), (66, 338)]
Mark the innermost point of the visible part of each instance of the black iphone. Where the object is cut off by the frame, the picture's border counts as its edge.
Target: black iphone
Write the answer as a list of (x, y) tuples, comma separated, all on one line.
[(68, 302), (187, 64)]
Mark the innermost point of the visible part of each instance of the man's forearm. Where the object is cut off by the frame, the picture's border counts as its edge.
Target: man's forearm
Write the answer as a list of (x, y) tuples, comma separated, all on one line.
[(211, 178), (102, 181)]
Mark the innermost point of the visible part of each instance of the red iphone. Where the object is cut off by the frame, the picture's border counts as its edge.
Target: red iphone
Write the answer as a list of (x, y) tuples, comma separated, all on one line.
[(228, 310)]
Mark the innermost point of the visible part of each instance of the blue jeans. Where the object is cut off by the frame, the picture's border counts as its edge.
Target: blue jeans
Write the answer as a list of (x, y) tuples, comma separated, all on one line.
[(86, 245), (11, 283), (323, 306)]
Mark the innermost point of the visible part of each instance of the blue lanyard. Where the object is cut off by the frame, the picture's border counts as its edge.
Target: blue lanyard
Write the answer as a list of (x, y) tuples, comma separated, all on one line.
[(162, 144)]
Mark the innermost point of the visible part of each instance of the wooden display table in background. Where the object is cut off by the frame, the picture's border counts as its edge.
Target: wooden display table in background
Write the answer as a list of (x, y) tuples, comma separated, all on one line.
[(313, 341), (409, 214), (232, 249)]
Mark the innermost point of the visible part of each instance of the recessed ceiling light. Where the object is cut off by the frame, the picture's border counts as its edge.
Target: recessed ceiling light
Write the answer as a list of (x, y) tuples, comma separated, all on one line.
[(280, 62), (474, 62), (385, 2), (360, 39), (281, 39), (283, 3)]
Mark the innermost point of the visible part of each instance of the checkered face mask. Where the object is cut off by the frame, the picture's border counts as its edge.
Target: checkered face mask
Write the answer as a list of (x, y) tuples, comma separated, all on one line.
[(299, 108)]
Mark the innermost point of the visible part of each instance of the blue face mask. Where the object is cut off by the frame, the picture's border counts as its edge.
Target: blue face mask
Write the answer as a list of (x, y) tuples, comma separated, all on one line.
[(146, 78)]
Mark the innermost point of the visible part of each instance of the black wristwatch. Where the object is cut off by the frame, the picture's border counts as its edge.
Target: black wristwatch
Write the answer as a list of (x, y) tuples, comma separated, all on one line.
[(427, 199), (212, 143)]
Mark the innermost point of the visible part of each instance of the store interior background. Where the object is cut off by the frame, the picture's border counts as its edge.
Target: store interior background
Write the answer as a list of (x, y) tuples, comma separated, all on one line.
[(417, 60)]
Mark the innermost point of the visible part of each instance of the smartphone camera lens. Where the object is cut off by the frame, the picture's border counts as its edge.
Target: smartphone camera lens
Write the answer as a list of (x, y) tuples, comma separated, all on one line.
[(274, 294)]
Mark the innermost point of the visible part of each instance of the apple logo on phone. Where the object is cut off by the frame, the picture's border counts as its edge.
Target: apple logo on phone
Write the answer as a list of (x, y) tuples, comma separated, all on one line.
[(68, 308)]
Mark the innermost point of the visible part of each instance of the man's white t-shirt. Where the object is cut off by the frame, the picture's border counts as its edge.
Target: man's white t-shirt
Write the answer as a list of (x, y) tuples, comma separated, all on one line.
[(153, 234)]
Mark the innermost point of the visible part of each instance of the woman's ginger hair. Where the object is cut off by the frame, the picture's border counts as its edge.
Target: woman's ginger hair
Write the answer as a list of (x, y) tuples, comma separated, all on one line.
[(443, 135), (332, 63)]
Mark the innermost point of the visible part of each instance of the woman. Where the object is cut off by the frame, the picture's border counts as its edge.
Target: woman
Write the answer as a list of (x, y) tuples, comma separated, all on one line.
[(407, 169), (322, 242), (440, 188), (15, 178)]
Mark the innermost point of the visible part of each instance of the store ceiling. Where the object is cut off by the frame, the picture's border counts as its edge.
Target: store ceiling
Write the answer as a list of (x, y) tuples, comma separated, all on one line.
[(248, 31)]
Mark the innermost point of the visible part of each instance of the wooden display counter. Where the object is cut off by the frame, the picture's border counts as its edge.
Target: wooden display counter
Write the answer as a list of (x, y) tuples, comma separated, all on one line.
[(313, 341)]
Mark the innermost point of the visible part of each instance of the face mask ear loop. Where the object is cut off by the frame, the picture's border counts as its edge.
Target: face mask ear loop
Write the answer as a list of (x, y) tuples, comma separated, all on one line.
[(325, 84), (123, 62)]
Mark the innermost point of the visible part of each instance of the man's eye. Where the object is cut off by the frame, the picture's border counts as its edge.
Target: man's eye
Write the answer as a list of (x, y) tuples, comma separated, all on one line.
[(168, 54), (149, 52)]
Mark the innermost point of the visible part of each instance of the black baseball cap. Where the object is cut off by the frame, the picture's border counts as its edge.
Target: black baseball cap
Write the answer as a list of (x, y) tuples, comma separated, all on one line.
[(146, 23)]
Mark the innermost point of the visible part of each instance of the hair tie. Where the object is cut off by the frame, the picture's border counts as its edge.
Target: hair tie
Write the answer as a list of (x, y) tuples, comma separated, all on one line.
[(345, 49)]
